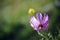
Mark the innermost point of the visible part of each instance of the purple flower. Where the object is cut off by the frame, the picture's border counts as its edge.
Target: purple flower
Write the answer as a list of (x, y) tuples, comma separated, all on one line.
[(40, 22)]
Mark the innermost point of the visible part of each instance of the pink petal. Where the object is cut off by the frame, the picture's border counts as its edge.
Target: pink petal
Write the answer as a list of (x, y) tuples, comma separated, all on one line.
[(45, 25), (45, 21), (34, 23), (39, 17), (45, 18)]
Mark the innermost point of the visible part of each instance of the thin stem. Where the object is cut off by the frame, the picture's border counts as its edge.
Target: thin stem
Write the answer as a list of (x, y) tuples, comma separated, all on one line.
[(42, 35), (50, 36)]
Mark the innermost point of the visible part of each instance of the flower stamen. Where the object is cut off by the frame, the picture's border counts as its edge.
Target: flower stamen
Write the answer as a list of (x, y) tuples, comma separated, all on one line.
[(40, 25)]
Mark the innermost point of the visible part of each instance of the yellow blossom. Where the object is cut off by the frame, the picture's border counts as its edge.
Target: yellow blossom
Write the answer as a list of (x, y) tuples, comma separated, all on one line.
[(31, 11)]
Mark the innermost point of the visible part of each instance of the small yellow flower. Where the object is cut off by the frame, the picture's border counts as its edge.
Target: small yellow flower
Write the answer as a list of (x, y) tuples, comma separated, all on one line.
[(31, 11)]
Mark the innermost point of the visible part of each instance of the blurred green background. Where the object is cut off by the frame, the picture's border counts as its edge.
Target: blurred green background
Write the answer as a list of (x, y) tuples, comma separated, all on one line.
[(14, 19)]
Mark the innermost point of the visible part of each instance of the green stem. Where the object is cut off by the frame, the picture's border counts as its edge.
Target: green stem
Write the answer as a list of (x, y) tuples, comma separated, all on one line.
[(42, 35)]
